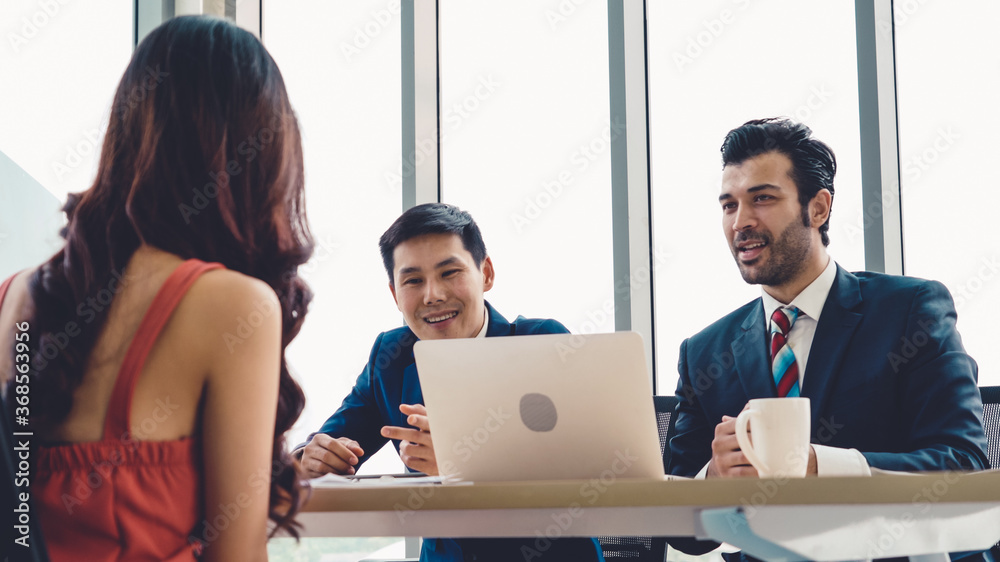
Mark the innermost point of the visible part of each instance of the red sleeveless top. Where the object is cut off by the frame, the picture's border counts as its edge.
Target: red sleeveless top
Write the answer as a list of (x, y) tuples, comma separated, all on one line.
[(121, 498)]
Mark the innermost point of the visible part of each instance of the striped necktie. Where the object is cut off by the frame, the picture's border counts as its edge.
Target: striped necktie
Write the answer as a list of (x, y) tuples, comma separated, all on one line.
[(783, 365)]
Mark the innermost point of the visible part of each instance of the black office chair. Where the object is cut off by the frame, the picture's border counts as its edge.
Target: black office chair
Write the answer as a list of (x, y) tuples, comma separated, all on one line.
[(645, 549), (991, 423)]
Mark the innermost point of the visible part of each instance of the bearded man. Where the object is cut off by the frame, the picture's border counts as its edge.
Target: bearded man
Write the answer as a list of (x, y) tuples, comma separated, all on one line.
[(889, 383)]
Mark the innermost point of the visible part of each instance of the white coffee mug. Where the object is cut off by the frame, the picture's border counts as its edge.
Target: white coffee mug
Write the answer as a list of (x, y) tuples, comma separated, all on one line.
[(780, 429)]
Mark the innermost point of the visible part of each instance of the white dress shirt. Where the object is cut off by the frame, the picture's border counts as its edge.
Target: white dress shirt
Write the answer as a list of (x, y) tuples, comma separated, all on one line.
[(486, 322), (830, 461)]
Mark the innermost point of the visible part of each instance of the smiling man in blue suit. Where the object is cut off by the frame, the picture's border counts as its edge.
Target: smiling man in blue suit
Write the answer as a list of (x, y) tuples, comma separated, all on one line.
[(438, 273), (889, 382)]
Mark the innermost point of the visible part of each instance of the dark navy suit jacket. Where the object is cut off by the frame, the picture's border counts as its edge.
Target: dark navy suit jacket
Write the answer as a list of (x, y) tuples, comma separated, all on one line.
[(390, 379), (887, 375)]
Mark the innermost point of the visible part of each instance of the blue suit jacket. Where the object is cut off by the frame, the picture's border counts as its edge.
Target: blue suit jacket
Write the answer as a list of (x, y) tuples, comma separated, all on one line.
[(390, 379), (887, 376)]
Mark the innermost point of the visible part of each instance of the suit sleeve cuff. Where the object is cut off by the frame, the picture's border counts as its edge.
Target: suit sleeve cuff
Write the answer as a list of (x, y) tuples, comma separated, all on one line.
[(301, 447), (834, 461), (703, 472)]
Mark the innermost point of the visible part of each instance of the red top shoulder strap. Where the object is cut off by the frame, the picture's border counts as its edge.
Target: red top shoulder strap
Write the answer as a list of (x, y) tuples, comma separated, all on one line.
[(116, 423), (4, 286)]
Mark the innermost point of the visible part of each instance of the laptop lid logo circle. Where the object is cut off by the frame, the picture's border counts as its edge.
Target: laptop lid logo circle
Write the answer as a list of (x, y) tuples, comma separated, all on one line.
[(538, 412)]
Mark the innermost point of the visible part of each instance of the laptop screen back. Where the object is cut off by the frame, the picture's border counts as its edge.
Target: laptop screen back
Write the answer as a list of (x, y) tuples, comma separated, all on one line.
[(544, 407)]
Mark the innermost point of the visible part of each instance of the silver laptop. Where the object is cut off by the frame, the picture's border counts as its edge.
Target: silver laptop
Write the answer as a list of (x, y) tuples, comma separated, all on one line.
[(545, 407)]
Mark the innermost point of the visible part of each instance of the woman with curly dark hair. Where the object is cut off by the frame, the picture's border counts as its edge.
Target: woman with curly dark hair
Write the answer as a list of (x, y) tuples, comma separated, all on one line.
[(154, 357)]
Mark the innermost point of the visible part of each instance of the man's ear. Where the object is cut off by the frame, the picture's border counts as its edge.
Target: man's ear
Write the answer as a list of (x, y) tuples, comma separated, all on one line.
[(819, 207), (488, 274), (392, 289)]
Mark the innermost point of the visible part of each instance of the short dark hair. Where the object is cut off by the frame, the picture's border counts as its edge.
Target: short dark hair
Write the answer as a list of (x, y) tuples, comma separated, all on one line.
[(813, 162), (432, 218)]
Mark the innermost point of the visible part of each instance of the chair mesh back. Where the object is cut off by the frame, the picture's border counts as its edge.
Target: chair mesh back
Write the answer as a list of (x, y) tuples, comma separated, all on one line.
[(663, 424), (645, 549), (665, 406), (991, 423), (626, 548)]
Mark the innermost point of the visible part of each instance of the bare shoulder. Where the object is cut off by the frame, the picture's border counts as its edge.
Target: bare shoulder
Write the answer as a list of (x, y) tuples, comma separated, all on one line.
[(223, 293), (227, 286), (15, 314), (226, 312), (17, 293), (16, 306)]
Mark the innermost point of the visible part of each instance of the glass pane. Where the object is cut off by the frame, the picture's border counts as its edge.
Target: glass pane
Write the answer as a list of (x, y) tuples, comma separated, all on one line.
[(60, 64), (947, 76), (712, 67), (341, 66), (525, 130)]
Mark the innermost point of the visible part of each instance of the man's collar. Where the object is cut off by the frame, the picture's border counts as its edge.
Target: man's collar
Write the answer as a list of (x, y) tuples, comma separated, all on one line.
[(486, 322), (498, 325), (811, 300)]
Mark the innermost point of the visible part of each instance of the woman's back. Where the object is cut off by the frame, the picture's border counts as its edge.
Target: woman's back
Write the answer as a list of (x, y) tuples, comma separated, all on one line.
[(216, 373), (168, 373), (122, 476)]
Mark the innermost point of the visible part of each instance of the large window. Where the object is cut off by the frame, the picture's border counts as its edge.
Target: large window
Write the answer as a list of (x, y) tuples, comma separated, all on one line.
[(349, 112), (60, 64), (525, 146), (341, 66), (526, 149), (948, 73), (712, 67)]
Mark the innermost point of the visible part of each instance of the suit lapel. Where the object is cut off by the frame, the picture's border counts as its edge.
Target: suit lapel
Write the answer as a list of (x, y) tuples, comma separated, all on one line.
[(754, 368), (498, 325), (412, 393), (833, 334)]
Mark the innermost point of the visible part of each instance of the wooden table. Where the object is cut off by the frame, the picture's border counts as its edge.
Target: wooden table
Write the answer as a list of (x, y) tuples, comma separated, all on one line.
[(811, 518)]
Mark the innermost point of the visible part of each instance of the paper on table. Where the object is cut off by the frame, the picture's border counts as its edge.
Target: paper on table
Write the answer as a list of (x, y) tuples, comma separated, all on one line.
[(334, 480)]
